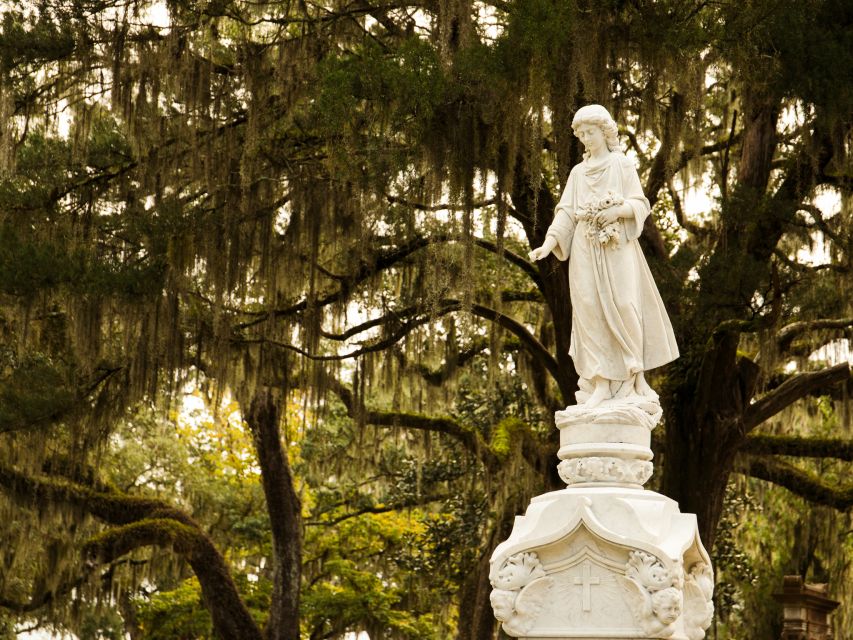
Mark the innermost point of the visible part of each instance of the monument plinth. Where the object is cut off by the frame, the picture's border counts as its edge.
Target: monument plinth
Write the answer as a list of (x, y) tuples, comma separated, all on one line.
[(604, 558)]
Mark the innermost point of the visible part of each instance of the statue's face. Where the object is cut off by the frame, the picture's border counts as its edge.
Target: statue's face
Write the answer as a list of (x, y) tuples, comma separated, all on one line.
[(502, 604), (591, 136), (667, 606)]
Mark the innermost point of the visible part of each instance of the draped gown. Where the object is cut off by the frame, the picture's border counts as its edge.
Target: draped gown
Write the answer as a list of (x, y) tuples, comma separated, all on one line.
[(619, 324)]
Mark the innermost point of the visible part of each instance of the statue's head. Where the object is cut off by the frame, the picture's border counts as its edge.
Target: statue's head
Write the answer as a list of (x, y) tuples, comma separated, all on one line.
[(597, 115), (503, 603), (667, 604)]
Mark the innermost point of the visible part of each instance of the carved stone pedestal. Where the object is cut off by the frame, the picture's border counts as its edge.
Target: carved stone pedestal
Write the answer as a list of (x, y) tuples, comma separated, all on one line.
[(604, 558)]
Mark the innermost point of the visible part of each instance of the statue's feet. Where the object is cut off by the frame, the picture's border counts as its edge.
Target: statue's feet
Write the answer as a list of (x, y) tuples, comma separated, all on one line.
[(643, 387), (601, 393)]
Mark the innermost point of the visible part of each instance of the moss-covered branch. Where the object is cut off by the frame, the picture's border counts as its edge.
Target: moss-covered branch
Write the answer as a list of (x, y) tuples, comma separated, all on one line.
[(800, 446), (401, 505), (789, 333), (163, 532), (799, 482), (385, 260), (506, 433), (144, 522), (792, 390)]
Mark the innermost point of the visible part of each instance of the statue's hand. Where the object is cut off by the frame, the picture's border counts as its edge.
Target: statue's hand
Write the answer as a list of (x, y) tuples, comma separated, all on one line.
[(608, 216), (543, 251)]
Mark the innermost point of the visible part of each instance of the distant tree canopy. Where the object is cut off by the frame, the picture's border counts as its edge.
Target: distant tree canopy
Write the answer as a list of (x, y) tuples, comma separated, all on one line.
[(314, 217)]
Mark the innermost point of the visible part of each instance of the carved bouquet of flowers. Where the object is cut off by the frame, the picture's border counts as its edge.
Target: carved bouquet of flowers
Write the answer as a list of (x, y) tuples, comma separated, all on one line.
[(606, 234)]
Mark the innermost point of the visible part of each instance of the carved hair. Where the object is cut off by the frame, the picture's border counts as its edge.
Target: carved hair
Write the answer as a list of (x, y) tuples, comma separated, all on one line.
[(667, 597), (597, 115)]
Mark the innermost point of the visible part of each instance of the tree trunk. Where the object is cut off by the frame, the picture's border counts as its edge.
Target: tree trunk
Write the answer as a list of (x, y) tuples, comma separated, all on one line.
[(476, 619), (712, 387), (285, 513)]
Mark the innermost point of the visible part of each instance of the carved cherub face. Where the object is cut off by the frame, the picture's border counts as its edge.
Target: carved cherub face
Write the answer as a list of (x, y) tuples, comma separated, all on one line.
[(503, 604), (591, 136), (667, 604)]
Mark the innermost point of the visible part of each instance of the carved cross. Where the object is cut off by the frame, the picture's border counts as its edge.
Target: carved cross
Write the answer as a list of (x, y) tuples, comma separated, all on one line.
[(587, 580)]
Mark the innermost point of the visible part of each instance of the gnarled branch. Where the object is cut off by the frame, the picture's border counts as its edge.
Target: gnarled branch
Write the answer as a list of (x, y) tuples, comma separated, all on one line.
[(799, 482), (789, 333), (799, 446), (139, 521), (790, 391)]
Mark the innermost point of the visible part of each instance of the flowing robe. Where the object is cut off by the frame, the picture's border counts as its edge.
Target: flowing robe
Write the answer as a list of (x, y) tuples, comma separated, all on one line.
[(619, 324)]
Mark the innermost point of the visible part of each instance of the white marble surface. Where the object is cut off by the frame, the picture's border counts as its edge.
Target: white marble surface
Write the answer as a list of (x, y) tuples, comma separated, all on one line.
[(620, 327), (604, 558), (582, 541)]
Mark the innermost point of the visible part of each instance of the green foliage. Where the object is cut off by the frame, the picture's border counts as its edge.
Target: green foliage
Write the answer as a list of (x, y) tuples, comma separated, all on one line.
[(33, 391), (102, 625), (37, 39), (180, 206), (379, 102), (175, 613), (503, 435), (350, 593)]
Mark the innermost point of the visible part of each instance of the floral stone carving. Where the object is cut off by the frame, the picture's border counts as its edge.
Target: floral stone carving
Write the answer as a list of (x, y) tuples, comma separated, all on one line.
[(520, 591), (605, 469)]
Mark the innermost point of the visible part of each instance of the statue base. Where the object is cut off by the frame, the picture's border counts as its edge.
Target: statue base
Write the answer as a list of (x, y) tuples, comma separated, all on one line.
[(603, 558)]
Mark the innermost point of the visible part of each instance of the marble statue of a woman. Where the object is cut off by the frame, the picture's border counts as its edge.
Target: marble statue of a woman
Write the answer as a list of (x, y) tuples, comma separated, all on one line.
[(619, 325)]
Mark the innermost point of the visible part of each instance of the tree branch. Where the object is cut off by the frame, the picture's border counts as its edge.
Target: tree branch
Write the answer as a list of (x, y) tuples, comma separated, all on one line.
[(437, 377), (469, 438), (819, 221), (830, 266), (139, 520), (42, 600), (790, 391), (374, 508), (799, 482), (437, 207), (692, 227), (789, 333), (383, 261), (534, 347), (799, 446), (532, 450)]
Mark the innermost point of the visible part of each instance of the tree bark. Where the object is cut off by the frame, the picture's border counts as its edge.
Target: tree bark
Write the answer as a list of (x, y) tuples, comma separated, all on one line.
[(285, 511), (706, 406), (477, 621)]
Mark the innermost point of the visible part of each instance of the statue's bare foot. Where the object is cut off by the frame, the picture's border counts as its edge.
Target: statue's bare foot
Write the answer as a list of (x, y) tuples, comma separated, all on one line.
[(601, 393), (643, 387)]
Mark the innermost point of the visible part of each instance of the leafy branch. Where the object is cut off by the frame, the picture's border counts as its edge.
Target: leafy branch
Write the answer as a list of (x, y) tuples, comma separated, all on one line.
[(144, 522), (800, 446), (799, 482), (790, 391)]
